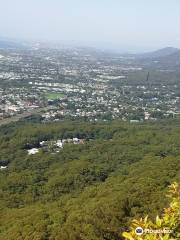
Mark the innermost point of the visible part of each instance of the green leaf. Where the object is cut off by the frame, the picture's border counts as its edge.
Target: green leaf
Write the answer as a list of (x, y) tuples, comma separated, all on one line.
[(158, 221), (128, 236)]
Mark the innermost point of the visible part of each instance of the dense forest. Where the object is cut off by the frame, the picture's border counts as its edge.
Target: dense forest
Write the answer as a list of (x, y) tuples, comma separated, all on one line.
[(88, 191)]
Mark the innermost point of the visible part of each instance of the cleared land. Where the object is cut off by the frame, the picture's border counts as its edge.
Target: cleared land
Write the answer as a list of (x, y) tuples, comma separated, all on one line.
[(54, 96)]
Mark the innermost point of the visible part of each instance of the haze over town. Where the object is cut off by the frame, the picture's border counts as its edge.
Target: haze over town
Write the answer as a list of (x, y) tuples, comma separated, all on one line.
[(125, 26)]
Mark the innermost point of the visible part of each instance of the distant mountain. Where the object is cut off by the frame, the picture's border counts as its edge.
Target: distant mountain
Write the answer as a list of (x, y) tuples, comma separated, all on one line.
[(164, 52), (171, 60), (8, 44)]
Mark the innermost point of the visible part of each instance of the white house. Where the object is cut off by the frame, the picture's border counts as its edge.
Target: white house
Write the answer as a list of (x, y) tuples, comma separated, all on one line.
[(59, 144), (3, 167), (75, 140), (33, 151)]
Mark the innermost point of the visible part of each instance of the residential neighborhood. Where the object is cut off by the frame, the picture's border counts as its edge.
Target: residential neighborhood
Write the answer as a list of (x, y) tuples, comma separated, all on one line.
[(80, 83)]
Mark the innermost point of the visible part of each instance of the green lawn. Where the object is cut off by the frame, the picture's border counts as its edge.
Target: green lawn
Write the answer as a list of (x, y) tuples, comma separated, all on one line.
[(54, 96)]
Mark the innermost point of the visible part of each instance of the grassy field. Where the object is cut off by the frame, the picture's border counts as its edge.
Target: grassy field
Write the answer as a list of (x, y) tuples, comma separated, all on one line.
[(54, 96)]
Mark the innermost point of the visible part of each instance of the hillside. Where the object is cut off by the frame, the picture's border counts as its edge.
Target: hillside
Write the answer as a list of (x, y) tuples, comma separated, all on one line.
[(164, 52), (9, 44), (89, 190), (166, 60)]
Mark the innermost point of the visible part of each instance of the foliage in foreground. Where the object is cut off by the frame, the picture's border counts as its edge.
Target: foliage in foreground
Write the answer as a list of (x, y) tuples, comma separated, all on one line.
[(85, 192), (169, 222)]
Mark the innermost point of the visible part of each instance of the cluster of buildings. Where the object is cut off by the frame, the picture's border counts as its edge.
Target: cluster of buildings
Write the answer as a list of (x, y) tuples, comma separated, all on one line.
[(17, 100), (54, 146), (82, 84)]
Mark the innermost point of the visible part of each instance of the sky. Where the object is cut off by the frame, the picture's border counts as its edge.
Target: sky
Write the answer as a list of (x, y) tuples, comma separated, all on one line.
[(123, 25)]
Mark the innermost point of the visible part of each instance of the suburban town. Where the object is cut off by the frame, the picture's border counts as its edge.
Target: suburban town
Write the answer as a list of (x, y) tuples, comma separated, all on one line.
[(85, 83)]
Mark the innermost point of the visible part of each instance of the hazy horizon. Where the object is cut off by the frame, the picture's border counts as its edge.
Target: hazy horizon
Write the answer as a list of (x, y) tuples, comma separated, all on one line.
[(110, 25)]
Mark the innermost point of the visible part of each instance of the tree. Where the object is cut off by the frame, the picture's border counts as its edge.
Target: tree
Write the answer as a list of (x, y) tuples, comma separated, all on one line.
[(168, 222)]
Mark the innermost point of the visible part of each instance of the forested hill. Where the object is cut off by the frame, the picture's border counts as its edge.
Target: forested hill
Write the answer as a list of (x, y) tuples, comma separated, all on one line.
[(87, 190)]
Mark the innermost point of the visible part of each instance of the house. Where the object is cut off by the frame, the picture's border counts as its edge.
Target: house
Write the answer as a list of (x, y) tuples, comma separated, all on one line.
[(42, 143), (146, 115), (3, 167), (59, 144), (75, 140), (33, 151)]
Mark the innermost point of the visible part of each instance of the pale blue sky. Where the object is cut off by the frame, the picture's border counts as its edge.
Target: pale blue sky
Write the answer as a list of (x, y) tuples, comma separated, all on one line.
[(114, 24)]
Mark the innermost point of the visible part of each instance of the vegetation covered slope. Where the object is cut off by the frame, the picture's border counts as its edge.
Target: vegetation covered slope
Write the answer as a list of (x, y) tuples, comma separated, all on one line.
[(89, 191)]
